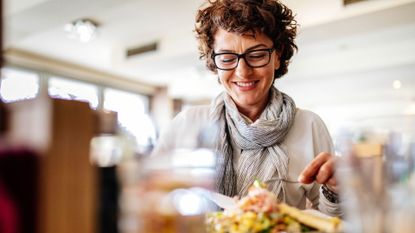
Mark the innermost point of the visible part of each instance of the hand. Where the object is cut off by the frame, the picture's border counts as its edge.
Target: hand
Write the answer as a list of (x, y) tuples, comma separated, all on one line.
[(320, 169)]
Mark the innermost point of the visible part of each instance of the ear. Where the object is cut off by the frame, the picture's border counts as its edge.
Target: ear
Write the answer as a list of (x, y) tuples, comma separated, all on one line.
[(278, 53), (277, 60)]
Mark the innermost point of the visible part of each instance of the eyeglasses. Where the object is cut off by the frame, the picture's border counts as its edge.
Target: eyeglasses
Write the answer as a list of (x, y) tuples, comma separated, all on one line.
[(254, 58)]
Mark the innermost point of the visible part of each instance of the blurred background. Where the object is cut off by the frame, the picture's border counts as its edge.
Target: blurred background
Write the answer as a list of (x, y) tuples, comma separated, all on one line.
[(135, 63), (139, 57)]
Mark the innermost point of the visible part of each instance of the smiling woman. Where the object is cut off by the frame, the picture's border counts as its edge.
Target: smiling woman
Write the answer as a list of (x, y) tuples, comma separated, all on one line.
[(260, 133), (247, 82)]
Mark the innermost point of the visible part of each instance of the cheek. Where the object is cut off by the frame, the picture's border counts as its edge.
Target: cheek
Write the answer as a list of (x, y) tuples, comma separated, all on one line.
[(223, 76), (268, 75), (267, 79)]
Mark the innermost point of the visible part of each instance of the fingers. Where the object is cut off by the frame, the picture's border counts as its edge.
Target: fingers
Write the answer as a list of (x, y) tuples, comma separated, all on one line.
[(326, 175), (332, 182), (312, 171), (326, 171), (332, 185)]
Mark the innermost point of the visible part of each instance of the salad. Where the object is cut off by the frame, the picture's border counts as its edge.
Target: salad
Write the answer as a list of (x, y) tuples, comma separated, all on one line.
[(260, 212)]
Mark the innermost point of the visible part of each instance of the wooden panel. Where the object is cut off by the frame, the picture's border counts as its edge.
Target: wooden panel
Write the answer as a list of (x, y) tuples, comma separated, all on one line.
[(68, 182), (372, 165), (368, 149)]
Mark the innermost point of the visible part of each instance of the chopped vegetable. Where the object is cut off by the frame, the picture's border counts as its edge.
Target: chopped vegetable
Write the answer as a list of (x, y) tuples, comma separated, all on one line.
[(260, 212)]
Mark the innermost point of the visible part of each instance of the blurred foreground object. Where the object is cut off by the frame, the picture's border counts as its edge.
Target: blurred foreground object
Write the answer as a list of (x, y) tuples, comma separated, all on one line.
[(106, 146), (172, 191), (55, 174), (4, 113), (107, 149), (377, 181), (18, 183)]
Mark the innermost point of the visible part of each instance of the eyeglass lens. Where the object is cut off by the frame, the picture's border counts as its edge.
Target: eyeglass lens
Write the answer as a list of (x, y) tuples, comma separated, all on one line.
[(254, 58)]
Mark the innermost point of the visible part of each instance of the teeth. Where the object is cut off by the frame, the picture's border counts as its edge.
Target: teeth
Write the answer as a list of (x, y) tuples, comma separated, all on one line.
[(245, 84)]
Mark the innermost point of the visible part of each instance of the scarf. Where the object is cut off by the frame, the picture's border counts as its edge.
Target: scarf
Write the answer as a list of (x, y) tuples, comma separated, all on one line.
[(261, 156)]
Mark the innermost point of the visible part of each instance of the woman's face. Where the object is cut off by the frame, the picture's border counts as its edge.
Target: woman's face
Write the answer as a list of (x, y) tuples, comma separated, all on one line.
[(248, 87)]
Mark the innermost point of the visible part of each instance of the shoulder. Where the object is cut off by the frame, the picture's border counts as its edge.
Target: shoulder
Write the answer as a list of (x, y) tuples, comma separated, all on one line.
[(307, 116), (184, 130), (308, 127), (306, 119), (198, 113), (192, 117)]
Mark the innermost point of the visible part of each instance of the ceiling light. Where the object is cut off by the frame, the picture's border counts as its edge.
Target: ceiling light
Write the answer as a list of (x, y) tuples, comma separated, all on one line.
[(84, 30), (396, 84)]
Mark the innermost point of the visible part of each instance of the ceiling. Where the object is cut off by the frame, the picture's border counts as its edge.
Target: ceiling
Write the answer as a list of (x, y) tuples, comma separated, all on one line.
[(348, 56)]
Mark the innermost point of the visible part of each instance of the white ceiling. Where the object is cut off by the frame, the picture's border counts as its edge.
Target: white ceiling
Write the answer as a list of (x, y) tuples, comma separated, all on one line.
[(347, 60)]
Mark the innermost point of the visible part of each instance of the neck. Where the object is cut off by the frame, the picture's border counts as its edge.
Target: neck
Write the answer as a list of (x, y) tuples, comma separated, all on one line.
[(253, 112)]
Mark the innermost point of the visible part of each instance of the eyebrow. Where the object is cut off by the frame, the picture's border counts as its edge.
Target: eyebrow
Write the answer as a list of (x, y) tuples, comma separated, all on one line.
[(247, 50)]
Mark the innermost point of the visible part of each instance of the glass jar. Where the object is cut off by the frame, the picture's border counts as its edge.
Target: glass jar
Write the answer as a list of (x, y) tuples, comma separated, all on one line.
[(173, 191), (375, 180)]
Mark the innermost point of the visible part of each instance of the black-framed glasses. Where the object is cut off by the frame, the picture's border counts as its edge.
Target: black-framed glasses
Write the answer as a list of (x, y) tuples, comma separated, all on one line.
[(253, 58)]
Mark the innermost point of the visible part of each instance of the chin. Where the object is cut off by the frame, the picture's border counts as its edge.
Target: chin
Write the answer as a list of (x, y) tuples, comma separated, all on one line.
[(245, 102)]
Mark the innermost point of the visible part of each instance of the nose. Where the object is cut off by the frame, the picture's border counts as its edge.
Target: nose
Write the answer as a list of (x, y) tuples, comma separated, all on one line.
[(243, 70)]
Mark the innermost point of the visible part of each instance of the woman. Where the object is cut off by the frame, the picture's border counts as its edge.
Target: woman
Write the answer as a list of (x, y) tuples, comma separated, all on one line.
[(262, 135)]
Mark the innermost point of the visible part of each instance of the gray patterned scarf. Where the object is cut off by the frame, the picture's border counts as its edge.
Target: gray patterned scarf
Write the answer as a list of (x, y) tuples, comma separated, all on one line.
[(261, 157)]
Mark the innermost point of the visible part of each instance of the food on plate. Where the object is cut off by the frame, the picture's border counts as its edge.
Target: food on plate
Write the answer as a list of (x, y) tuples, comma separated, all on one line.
[(261, 212)]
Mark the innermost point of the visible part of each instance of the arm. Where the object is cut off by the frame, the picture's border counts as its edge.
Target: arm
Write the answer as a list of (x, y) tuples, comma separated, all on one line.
[(321, 171)]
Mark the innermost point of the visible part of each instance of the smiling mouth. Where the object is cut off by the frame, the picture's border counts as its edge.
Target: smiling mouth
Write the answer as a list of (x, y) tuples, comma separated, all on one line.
[(246, 84)]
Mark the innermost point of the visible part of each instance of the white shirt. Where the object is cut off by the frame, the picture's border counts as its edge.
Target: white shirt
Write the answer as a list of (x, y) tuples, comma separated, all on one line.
[(306, 139)]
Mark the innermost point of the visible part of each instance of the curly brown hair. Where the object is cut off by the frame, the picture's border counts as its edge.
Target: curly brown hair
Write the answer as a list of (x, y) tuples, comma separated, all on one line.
[(240, 16)]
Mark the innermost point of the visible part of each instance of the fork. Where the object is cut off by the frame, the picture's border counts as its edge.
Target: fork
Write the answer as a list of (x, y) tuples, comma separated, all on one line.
[(281, 179)]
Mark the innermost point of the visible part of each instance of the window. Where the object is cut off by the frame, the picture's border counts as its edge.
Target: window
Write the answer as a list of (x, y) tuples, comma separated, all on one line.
[(132, 108), (132, 114), (75, 90), (18, 85)]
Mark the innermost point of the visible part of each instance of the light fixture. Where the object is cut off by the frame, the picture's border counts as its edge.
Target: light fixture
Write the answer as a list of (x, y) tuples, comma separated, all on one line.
[(84, 30), (396, 84)]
